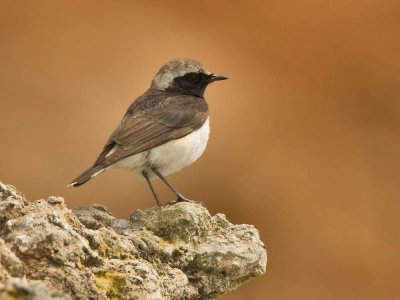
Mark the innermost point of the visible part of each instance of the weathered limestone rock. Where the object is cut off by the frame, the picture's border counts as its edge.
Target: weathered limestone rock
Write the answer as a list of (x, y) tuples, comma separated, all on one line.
[(173, 252)]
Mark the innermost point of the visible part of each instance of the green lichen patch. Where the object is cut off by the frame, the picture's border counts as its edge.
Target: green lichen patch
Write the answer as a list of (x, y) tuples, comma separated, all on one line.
[(111, 284), (112, 250)]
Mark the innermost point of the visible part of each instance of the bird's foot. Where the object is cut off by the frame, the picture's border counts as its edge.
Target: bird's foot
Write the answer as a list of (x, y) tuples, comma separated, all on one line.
[(183, 199)]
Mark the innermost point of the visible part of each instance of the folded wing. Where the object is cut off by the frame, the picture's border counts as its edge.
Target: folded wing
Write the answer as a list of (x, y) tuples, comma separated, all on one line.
[(143, 129)]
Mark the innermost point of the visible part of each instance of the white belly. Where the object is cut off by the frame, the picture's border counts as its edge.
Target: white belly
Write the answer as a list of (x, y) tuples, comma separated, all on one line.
[(176, 154), (171, 156)]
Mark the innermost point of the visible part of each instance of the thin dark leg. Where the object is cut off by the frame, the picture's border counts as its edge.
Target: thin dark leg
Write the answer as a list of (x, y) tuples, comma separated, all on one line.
[(151, 187), (179, 195)]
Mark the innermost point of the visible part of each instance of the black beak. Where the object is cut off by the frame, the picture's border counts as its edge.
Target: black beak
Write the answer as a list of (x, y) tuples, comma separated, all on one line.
[(214, 77)]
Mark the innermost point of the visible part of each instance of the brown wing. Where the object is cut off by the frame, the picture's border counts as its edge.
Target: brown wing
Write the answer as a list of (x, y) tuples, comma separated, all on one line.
[(146, 126)]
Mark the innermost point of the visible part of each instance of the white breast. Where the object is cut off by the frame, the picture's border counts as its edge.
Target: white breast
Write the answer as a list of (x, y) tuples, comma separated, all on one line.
[(171, 156), (176, 154)]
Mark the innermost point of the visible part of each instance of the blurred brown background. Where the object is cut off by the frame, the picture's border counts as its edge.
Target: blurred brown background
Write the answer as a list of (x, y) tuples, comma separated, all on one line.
[(305, 134)]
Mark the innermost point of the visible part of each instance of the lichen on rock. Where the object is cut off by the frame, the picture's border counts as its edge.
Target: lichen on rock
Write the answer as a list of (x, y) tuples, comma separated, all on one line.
[(177, 251)]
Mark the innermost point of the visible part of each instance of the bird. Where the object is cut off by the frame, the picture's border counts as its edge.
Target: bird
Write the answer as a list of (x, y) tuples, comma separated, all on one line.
[(164, 130)]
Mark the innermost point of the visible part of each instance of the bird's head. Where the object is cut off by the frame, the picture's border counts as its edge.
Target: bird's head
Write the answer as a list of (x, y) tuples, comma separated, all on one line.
[(186, 76)]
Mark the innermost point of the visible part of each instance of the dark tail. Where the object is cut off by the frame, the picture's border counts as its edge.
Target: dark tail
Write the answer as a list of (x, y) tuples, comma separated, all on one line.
[(86, 176)]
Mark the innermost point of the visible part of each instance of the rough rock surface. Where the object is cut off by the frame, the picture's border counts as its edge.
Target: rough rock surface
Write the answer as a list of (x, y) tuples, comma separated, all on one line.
[(174, 252)]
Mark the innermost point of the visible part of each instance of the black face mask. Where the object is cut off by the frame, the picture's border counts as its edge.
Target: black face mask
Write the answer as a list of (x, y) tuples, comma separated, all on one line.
[(191, 84)]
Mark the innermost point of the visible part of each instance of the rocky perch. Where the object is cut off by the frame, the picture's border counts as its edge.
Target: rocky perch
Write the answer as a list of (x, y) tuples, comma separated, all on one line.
[(174, 252)]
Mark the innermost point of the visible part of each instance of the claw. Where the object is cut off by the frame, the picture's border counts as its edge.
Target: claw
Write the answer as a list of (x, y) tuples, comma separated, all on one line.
[(183, 199)]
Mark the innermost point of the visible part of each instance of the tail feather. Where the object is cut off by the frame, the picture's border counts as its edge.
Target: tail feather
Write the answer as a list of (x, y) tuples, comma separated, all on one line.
[(86, 176)]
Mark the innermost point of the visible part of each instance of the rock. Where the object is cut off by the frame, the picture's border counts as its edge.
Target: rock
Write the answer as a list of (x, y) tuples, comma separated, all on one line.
[(174, 252), (17, 288)]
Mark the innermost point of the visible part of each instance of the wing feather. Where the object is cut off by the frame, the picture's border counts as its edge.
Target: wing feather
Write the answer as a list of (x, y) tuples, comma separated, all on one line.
[(168, 117)]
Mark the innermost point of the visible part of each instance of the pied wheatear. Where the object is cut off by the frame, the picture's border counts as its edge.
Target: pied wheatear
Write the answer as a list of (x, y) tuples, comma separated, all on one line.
[(164, 130)]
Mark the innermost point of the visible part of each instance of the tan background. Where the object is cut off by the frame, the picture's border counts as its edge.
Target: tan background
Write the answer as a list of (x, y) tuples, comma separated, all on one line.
[(305, 134)]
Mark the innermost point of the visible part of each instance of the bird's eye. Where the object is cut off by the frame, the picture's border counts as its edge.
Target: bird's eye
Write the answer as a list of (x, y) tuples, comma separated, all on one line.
[(193, 77)]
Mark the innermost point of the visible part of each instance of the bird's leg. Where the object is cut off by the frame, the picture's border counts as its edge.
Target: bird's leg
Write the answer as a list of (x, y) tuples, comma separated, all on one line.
[(145, 175), (179, 195)]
